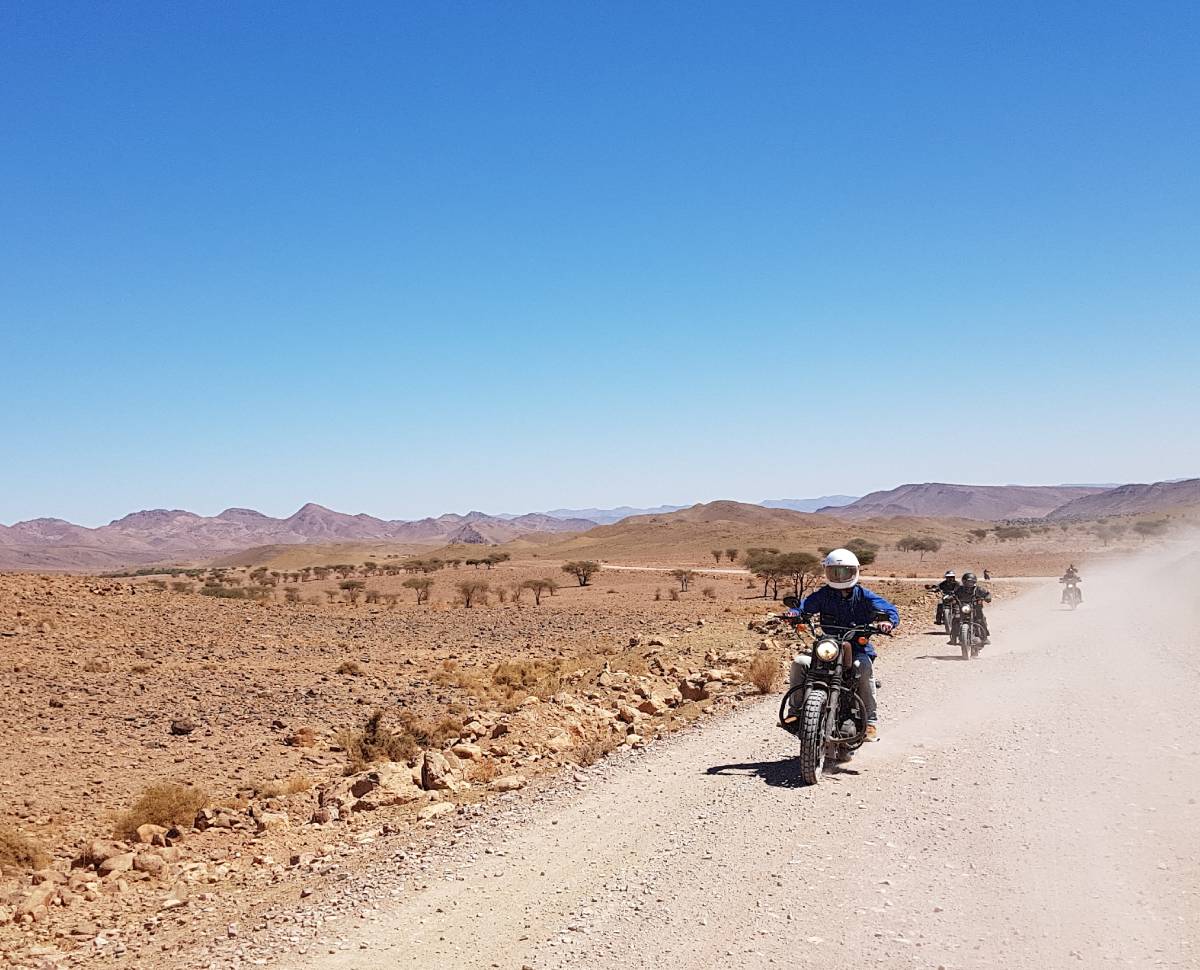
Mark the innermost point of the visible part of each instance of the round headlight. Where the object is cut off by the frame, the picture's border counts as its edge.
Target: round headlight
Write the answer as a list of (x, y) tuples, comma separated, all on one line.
[(827, 650), (967, 610)]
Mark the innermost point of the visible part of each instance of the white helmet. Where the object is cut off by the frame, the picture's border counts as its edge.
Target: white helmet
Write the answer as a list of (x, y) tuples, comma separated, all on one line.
[(841, 568), (949, 574)]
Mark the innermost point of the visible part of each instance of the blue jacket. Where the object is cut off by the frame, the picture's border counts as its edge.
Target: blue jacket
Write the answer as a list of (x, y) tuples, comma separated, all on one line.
[(839, 611)]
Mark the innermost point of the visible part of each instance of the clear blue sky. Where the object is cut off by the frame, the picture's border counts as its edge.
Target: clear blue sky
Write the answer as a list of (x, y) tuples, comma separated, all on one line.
[(421, 257)]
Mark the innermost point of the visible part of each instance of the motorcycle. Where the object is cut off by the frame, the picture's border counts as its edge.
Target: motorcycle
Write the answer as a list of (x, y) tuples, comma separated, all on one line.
[(1072, 595), (944, 609), (967, 629), (829, 720)]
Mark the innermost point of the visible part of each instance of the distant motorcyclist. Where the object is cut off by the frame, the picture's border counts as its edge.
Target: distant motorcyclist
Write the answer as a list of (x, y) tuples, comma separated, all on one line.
[(842, 603), (1071, 578), (970, 592), (987, 574), (947, 586)]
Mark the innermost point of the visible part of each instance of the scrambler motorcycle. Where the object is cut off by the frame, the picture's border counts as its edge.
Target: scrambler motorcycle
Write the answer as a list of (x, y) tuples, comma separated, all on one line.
[(1072, 595), (829, 720), (967, 629)]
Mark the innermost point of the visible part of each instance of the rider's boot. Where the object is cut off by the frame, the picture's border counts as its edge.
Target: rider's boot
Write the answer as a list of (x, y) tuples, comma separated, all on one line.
[(872, 733)]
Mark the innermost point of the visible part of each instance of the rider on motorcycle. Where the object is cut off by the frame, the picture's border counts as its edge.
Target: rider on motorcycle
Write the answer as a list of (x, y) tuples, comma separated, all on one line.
[(968, 591), (947, 586), (842, 603), (1071, 579)]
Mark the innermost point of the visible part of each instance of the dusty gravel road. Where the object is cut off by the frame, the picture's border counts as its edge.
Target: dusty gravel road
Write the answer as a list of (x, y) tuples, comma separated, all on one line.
[(1038, 808)]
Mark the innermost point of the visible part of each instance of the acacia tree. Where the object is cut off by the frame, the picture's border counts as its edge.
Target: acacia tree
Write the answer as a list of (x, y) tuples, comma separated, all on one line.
[(731, 555), (802, 568), (684, 576), (716, 554), (471, 591), (1147, 529), (352, 588), (539, 588), (583, 570), (421, 585)]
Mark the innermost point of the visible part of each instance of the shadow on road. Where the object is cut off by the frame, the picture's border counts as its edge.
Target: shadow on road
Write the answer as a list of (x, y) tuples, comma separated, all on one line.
[(941, 656), (784, 773)]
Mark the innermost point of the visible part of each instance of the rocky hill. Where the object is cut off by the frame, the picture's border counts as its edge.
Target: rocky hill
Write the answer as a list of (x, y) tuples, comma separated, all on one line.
[(988, 503), (1132, 500), (158, 535)]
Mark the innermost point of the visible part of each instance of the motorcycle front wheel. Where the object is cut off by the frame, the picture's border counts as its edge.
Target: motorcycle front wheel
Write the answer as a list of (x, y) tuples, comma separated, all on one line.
[(812, 736), (967, 640)]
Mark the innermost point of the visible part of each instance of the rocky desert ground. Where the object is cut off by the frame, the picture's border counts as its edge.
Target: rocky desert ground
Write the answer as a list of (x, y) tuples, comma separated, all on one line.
[(203, 780)]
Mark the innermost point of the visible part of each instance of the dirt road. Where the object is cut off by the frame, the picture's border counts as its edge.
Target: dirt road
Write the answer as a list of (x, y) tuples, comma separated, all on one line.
[(1038, 808)]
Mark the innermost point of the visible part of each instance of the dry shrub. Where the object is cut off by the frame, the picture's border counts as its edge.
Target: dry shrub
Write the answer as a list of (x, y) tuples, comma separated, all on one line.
[(374, 743), (290, 786), (351, 668), (764, 673), (633, 664), (674, 594), (141, 668), (709, 592), (183, 587), (95, 665), (167, 803), (18, 851)]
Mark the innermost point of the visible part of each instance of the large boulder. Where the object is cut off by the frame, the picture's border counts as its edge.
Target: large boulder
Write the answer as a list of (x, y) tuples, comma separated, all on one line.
[(440, 771)]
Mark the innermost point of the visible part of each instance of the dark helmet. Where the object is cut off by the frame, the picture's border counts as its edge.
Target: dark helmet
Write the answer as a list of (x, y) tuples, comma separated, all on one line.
[(969, 579)]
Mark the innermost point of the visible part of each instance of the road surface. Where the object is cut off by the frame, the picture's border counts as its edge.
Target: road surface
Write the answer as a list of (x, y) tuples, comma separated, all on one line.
[(1033, 810)]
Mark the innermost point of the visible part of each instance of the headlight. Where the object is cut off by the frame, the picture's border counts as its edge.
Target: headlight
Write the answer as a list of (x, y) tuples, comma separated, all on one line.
[(827, 650), (967, 610)]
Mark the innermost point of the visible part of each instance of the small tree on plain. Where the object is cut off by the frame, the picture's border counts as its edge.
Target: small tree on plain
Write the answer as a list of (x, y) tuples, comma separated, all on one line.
[(731, 555), (716, 554), (539, 588), (582, 570), (421, 585), (352, 588), (684, 576), (472, 591)]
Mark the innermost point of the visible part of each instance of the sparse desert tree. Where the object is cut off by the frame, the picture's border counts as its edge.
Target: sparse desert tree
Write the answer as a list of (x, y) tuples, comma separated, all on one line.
[(765, 566), (683, 577), (731, 555), (539, 588), (331, 595), (291, 594), (370, 567), (921, 544), (865, 550), (1006, 532), (583, 570), (802, 568), (979, 534), (352, 588), (372, 596), (1148, 529), (421, 585), (517, 590), (716, 554), (472, 591)]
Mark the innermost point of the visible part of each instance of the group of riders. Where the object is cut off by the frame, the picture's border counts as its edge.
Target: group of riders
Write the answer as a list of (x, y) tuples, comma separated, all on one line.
[(843, 604)]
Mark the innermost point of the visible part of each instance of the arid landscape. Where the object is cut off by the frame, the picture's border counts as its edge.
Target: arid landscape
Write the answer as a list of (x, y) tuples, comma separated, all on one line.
[(192, 751)]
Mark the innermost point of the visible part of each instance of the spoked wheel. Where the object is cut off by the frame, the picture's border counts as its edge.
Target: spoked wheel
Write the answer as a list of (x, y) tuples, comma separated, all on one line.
[(812, 736), (967, 640)]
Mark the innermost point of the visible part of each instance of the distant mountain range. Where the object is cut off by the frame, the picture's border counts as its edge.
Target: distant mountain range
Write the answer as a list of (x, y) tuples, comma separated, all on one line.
[(608, 516), (809, 504), (1132, 500), (173, 535), (989, 503), (156, 535)]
